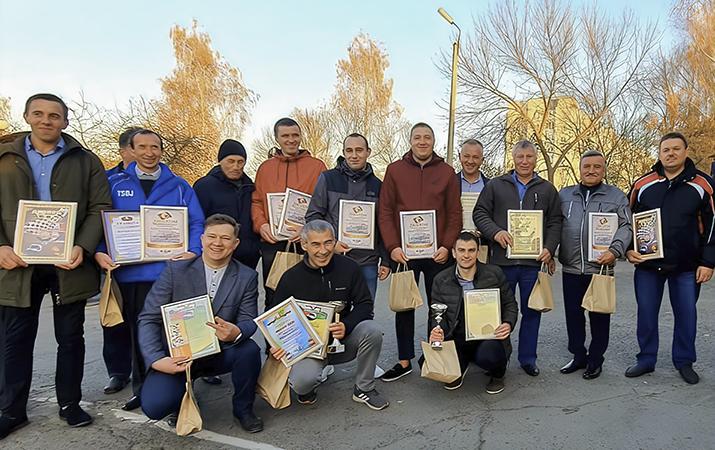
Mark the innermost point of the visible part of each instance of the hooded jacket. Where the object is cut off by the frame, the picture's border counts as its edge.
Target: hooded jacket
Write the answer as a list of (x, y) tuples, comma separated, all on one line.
[(299, 172), (218, 194), (687, 214), (77, 176), (342, 183), (573, 249)]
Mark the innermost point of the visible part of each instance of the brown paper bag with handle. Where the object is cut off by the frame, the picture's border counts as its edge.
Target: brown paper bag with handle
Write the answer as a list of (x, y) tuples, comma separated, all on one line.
[(441, 365), (282, 262), (542, 296), (600, 296), (404, 292), (110, 302), (189, 421), (272, 384)]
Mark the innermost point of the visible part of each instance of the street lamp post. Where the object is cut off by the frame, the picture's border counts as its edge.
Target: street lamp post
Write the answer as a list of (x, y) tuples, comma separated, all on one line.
[(453, 91)]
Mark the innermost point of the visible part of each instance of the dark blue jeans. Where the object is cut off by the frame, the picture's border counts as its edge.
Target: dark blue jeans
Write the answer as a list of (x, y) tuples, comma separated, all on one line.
[(684, 293), (575, 287), (370, 273), (525, 277), (162, 393)]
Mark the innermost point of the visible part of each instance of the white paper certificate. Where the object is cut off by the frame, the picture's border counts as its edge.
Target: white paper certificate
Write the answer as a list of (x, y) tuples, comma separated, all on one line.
[(419, 233), (293, 213), (357, 224), (482, 313), (469, 200), (123, 235), (164, 231), (602, 227), (275, 208)]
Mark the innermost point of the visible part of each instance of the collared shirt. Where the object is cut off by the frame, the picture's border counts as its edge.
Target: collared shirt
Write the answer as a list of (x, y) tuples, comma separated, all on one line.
[(467, 285), (521, 187), (42, 166), (147, 176), (213, 279), (477, 186)]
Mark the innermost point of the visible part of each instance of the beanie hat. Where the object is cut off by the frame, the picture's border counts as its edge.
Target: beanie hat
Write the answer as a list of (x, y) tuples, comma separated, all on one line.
[(231, 147)]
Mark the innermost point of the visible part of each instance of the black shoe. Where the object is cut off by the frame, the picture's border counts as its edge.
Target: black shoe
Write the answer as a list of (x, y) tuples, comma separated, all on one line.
[(309, 398), (396, 372), (75, 416), (115, 385), (637, 370), (9, 424), (251, 423), (172, 418), (531, 369), (688, 374), (134, 403), (592, 374), (212, 380), (456, 384), (572, 367)]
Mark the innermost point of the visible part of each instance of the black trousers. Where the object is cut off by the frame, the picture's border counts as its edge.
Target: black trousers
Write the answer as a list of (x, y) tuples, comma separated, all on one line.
[(575, 287), (489, 355), (20, 333)]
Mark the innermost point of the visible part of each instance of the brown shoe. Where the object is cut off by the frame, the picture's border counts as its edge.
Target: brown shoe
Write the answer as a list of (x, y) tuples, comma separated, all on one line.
[(496, 385)]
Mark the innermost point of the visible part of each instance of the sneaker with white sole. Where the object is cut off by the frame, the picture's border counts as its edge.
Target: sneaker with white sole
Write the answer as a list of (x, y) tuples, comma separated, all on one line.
[(327, 371), (456, 384), (371, 398), (309, 398), (496, 385)]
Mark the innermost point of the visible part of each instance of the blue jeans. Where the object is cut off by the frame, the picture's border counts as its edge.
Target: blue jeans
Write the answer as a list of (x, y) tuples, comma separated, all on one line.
[(684, 293), (575, 287), (370, 273), (525, 277)]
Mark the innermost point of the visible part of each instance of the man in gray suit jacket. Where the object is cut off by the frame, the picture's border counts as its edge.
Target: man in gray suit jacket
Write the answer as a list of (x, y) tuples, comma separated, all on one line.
[(233, 290)]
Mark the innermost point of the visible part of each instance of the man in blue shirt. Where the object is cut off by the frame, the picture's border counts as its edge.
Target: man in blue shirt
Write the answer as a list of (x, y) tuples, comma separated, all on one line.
[(471, 156)]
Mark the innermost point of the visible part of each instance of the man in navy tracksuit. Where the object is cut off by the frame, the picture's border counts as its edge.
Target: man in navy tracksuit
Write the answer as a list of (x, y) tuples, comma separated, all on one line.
[(147, 182), (685, 198)]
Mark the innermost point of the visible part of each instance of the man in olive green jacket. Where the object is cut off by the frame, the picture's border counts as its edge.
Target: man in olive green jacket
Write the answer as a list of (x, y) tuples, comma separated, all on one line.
[(47, 165)]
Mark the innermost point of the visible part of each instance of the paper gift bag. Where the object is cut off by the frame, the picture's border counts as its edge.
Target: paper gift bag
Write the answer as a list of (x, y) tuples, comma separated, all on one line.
[(110, 303), (404, 292), (542, 296), (189, 421), (272, 384), (282, 262), (441, 365), (600, 296)]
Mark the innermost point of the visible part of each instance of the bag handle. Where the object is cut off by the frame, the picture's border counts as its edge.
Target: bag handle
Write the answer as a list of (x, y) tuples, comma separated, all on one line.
[(404, 268), (288, 247), (603, 266)]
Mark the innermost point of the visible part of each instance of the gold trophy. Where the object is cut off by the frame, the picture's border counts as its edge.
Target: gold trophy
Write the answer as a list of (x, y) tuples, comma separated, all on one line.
[(438, 309)]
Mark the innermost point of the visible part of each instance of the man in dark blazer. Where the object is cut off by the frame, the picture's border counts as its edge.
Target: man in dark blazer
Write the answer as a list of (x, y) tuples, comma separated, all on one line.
[(471, 156), (233, 290)]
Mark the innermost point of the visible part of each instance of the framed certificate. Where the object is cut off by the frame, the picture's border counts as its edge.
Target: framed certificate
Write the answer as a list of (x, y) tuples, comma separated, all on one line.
[(526, 228), (469, 201), (44, 231), (320, 315), (123, 235), (275, 208), (419, 233), (356, 225), (601, 229), (648, 234), (482, 313), (293, 213), (186, 331), (286, 326), (164, 232)]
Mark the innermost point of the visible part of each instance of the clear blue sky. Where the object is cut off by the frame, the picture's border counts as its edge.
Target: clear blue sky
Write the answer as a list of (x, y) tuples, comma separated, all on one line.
[(286, 50)]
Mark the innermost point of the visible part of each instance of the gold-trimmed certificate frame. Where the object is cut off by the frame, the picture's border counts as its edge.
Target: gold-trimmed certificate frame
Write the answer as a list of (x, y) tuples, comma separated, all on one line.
[(419, 233), (648, 234), (274, 203), (164, 232), (469, 201), (320, 315), (187, 334), (482, 313), (44, 231), (294, 209), (356, 224), (601, 229), (526, 228)]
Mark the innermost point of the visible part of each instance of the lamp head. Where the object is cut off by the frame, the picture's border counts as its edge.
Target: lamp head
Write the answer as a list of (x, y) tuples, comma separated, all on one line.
[(446, 16)]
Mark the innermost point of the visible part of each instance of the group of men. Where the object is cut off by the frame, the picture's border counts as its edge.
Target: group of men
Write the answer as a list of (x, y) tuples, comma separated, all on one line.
[(230, 230)]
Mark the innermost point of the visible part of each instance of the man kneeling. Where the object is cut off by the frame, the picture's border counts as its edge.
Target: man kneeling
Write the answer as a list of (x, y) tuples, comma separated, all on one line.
[(233, 290), (324, 277), (448, 288)]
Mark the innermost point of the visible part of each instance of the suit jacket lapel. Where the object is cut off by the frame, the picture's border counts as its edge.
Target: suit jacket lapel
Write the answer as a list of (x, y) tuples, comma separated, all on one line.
[(226, 287), (196, 280)]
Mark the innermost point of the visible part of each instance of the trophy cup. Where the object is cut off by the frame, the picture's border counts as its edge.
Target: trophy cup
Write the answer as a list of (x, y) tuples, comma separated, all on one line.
[(438, 310), (336, 346)]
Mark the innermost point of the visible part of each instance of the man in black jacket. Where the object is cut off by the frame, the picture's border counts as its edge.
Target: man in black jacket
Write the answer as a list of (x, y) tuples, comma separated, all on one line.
[(324, 277), (521, 189), (448, 288)]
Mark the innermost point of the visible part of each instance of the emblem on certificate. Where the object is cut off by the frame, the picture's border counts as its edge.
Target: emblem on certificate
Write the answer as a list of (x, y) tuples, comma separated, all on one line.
[(275, 208), (123, 235), (419, 233), (44, 232), (320, 315), (482, 313), (285, 326), (293, 214), (526, 228), (186, 331), (164, 231), (648, 234), (357, 224), (601, 229), (469, 201)]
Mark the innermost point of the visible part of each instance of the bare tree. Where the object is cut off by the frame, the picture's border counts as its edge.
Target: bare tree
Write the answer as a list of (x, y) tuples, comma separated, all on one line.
[(8, 122)]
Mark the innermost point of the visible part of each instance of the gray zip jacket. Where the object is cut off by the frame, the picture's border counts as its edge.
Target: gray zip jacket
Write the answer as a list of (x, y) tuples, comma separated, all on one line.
[(573, 251)]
